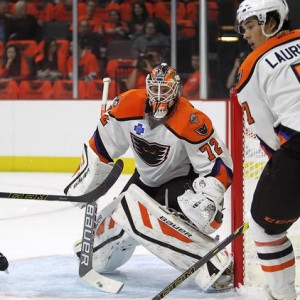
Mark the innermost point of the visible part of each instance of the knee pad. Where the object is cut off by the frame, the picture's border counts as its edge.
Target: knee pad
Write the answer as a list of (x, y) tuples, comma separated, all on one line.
[(113, 247), (111, 250), (169, 237)]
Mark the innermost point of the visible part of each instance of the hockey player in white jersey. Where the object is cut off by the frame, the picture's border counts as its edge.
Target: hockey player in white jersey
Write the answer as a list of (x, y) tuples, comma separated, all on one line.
[(175, 197), (269, 93)]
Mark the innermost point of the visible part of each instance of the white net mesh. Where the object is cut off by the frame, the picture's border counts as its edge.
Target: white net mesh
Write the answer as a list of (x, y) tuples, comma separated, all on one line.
[(253, 164)]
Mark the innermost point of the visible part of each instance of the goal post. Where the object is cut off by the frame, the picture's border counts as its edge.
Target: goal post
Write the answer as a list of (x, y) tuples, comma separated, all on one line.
[(249, 161), (237, 215)]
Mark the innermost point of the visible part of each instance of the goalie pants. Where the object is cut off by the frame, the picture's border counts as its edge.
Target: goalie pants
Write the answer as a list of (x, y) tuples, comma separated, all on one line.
[(175, 188)]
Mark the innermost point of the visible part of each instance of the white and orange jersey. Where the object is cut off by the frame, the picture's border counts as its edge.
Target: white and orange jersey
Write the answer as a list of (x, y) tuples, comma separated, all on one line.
[(269, 88), (166, 151)]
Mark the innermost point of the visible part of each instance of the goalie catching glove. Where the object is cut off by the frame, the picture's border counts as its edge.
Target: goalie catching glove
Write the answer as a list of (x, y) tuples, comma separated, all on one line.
[(204, 204)]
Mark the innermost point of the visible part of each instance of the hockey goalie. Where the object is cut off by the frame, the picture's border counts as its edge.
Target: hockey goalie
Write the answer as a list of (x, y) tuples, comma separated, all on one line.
[(174, 201)]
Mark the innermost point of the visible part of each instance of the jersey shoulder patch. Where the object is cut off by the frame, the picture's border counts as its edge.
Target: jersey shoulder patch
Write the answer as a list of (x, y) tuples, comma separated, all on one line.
[(188, 123), (129, 105)]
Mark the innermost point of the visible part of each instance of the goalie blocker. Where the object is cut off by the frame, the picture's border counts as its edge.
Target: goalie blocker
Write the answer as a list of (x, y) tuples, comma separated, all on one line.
[(90, 173)]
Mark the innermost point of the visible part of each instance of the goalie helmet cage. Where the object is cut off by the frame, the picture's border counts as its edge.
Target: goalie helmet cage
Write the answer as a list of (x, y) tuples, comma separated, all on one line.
[(249, 161)]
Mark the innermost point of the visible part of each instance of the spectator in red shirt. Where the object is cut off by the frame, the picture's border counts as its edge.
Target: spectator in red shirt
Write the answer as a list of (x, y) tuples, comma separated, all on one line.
[(88, 65), (114, 28), (14, 67), (191, 87), (91, 16)]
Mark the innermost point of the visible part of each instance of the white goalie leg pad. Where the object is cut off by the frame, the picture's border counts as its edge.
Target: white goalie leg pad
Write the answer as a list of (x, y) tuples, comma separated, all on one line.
[(277, 258), (169, 237), (90, 173), (113, 247)]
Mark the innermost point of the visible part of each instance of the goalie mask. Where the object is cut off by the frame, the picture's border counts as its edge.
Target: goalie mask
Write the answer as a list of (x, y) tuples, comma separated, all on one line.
[(260, 9), (163, 87)]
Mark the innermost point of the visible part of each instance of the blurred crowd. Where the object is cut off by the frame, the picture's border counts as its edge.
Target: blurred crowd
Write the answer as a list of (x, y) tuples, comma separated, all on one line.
[(120, 39)]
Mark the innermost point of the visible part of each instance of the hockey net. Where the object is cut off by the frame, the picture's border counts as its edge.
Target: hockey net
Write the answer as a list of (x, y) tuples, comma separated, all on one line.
[(249, 161)]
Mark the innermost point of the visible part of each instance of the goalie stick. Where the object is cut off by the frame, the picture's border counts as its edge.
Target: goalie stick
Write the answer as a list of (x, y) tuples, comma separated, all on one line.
[(88, 197), (86, 271), (106, 83), (201, 262)]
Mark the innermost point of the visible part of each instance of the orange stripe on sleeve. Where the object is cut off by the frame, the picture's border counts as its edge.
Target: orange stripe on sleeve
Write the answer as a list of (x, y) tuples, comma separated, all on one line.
[(281, 138), (224, 177), (94, 148)]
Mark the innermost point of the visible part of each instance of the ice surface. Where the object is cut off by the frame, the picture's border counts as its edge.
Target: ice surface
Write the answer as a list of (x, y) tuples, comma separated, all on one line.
[(37, 238)]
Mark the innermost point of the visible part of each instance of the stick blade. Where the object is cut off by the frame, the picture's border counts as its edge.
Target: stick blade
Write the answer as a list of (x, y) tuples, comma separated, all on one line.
[(102, 283)]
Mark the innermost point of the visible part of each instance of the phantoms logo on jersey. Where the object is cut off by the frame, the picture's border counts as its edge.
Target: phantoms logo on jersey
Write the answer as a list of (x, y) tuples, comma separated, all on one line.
[(152, 154), (202, 130)]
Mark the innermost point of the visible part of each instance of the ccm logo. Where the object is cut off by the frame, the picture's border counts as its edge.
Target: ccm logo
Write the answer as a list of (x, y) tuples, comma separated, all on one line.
[(279, 222), (87, 240)]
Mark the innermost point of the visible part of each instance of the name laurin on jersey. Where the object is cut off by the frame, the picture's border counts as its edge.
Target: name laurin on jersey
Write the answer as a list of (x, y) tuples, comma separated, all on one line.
[(283, 55)]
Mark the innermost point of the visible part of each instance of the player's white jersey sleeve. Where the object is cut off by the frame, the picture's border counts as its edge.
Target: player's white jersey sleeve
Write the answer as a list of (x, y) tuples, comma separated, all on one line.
[(206, 155), (269, 87), (113, 135), (258, 114)]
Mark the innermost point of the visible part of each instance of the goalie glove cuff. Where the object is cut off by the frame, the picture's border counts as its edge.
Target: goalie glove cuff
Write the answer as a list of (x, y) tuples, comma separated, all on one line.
[(205, 213)]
